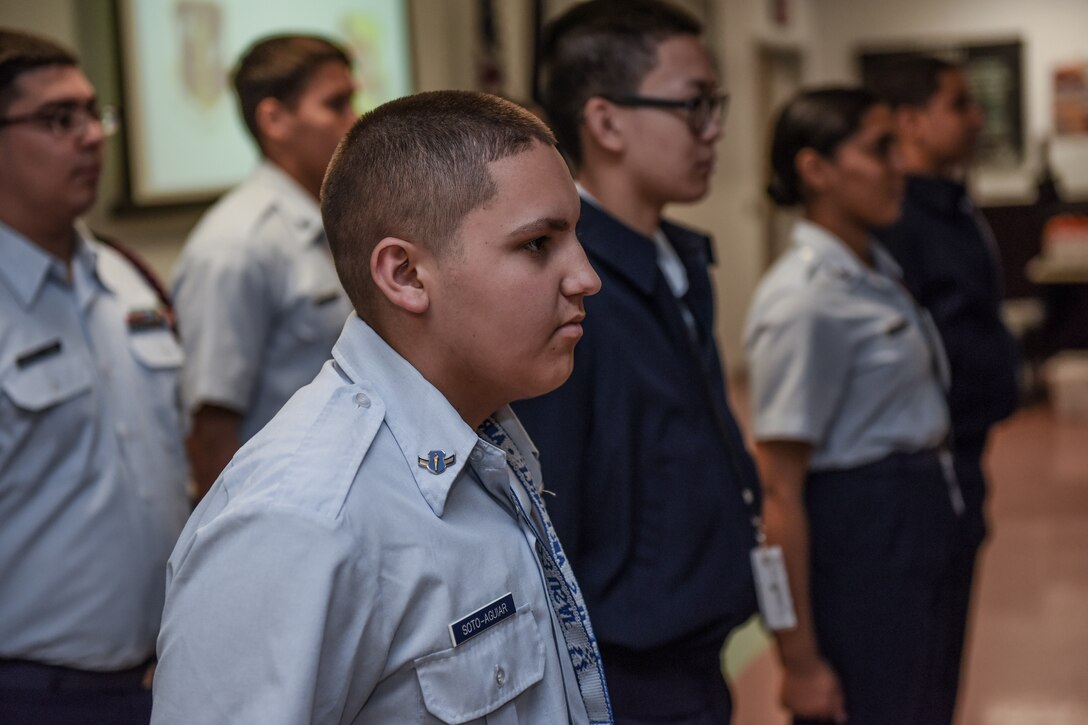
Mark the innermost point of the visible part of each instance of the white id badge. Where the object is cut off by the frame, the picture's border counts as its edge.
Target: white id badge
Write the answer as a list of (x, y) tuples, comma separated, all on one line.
[(773, 588)]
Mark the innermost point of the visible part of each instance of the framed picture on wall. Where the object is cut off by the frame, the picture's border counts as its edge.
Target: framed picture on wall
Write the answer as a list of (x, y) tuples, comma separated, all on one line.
[(184, 137), (995, 72)]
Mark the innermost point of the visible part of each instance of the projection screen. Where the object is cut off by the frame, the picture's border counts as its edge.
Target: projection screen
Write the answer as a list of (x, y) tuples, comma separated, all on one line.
[(185, 140)]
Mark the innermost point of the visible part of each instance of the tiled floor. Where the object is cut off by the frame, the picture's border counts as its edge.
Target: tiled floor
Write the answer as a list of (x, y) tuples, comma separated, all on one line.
[(1028, 657)]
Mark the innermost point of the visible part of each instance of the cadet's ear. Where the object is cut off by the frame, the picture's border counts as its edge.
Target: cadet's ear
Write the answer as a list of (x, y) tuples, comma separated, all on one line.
[(602, 124), (396, 270), (271, 118), (812, 169)]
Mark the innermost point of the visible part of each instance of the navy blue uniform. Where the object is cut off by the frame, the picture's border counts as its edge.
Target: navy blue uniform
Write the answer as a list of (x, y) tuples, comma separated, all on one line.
[(647, 466), (949, 264)]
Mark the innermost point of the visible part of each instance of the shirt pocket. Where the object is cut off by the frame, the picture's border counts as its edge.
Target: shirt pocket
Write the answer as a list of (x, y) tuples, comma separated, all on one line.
[(43, 384), (158, 359), (54, 393), (156, 350), (475, 680)]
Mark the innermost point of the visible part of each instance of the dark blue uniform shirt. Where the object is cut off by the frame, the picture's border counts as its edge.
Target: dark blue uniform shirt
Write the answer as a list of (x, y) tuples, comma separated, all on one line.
[(645, 458), (949, 265)]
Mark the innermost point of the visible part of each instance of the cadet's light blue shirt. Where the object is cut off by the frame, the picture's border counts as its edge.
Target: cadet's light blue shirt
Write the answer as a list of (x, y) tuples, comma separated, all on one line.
[(841, 357), (258, 302), (92, 472), (317, 580)]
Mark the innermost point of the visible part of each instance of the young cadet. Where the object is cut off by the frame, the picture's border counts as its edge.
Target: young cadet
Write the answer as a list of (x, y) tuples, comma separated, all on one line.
[(258, 303), (639, 446), (380, 551), (92, 471), (950, 264), (849, 417)]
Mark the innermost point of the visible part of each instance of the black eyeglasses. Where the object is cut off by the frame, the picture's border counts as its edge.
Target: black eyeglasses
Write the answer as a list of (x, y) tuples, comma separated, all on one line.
[(701, 110), (69, 119)]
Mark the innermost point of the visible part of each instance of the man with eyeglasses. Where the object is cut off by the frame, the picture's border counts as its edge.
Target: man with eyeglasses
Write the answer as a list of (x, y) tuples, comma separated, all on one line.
[(654, 490), (92, 472)]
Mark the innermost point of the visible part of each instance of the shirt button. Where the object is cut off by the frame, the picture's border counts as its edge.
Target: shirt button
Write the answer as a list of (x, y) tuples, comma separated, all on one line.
[(500, 676), (475, 456), (361, 400)]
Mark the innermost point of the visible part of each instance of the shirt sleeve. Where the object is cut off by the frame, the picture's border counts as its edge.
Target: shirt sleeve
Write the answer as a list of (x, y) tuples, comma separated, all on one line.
[(224, 306), (269, 619), (798, 366)]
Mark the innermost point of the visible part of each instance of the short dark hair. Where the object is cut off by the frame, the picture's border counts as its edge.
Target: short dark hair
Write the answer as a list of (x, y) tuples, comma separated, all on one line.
[(279, 67), (22, 52), (602, 48), (412, 169), (910, 81), (820, 120)]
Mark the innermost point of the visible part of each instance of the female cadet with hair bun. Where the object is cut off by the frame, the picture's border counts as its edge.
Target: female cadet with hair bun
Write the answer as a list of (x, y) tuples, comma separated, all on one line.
[(847, 380)]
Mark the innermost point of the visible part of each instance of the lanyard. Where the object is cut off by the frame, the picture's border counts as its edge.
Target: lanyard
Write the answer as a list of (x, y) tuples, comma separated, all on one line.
[(563, 592)]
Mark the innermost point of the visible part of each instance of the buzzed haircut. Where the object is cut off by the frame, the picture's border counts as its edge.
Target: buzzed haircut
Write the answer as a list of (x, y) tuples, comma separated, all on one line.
[(22, 52), (280, 67), (412, 169), (910, 81), (602, 48)]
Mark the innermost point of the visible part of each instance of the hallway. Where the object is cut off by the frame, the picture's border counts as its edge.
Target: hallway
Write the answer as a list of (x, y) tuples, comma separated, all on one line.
[(1028, 657)]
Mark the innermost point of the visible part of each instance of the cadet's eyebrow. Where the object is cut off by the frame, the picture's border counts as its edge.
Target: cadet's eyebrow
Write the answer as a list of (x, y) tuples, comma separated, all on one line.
[(538, 226)]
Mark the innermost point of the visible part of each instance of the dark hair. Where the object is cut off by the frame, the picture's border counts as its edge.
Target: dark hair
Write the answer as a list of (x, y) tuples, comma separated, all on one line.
[(911, 80), (23, 52), (820, 120), (412, 169), (280, 67), (601, 48)]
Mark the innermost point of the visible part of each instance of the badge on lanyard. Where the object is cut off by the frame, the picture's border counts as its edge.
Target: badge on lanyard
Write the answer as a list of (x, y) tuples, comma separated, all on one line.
[(773, 588)]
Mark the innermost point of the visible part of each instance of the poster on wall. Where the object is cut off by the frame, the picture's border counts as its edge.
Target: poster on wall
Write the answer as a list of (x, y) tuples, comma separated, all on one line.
[(1071, 99), (994, 71), (184, 136)]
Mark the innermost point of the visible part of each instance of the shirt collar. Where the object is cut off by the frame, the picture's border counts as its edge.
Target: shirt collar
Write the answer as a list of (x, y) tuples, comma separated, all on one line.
[(820, 245), (942, 195), (631, 253), (27, 266), (295, 202), (420, 418)]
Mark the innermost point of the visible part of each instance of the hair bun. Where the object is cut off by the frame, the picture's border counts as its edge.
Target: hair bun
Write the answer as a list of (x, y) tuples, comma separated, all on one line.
[(781, 193)]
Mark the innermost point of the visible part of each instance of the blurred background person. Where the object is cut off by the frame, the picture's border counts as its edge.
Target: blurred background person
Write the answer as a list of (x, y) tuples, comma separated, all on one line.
[(950, 264), (847, 385), (258, 302), (654, 490), (92, 472)]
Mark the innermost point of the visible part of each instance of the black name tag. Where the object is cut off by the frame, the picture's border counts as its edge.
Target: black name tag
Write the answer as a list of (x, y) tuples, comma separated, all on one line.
[(38, 354), (482, 619)]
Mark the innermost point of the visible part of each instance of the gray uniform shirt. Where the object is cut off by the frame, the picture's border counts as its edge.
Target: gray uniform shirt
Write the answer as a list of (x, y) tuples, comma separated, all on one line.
[(841, 357), (92, 472), (258, 302), (319, 578)]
